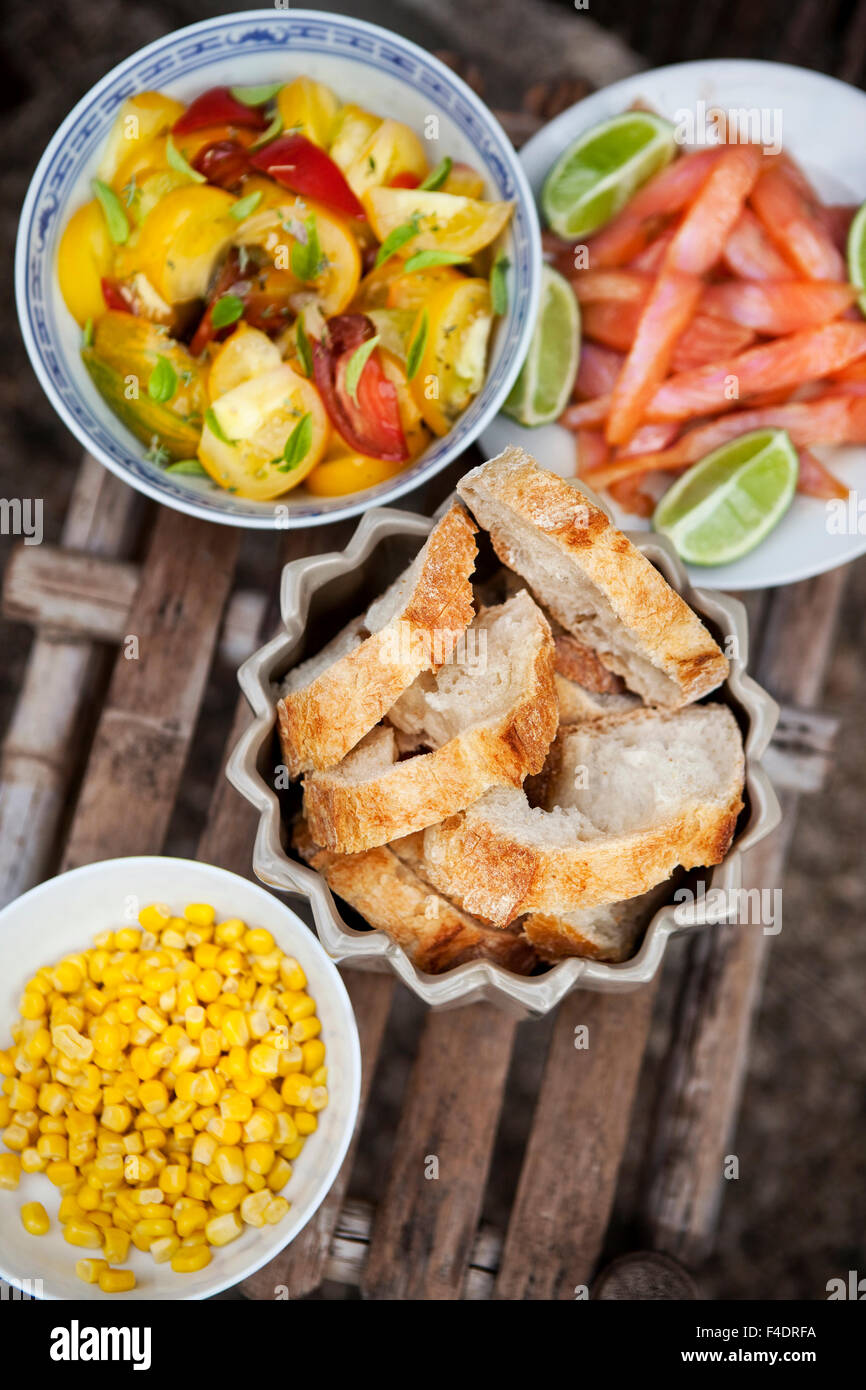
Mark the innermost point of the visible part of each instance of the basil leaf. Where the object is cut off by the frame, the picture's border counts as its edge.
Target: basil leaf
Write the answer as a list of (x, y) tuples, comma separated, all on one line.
[(188, 468), (268, 135), (297, 444), (437, 176), (181, 165), (255, 96), (394, 240), (116, 219), (417, 345), (423, 260), (306, 256), (305, 352), (162, 382), (356, 364), (498, 285), (228, 309), (87, 334), (215, 427), (244, 206)]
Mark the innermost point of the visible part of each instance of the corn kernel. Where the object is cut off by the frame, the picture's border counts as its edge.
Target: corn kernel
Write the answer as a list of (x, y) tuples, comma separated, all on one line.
[(172, 1179), (190, 1259), (226, 1196), (254, 1206), (279, 1174), (200, 914), (84, 1233), (117, 1117), (276, 1210), (163, 1248), (259, 1157), (192, 1218), (229, 932), (305, 1029), (116, 1280), (234, 1105), (34, 1218), (89, 1270), (296, 1089), (32, 1161), (229, 1162), (305, 1122), (223, 1229), (291, 973), (115, 1245)]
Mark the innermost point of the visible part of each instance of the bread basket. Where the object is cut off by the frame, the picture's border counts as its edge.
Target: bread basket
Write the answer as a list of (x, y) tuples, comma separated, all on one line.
[(318, 595)]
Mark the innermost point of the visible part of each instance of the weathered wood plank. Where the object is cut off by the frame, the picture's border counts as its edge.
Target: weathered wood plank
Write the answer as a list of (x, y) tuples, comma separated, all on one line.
[(706, 1065), (427, 1220), (568, 1179), (149, 714), (40, 751)]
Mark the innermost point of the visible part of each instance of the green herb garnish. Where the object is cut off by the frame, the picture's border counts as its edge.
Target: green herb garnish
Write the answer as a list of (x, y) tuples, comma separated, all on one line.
[(226, 310), (181, 165), (116, 219), (394, 240), (423, 260), (417, 345), (255, 96), (87, 334), (215, 427), (356, 364), (162, 382), (498, 286), (297, 444), (188, 468), (244, 206), (307, 256), (305, 351), (437, 176), (270, 134)]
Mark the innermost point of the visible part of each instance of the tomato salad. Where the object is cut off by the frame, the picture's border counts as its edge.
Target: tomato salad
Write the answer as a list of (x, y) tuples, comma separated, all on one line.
[(714, 303), (277, 288)]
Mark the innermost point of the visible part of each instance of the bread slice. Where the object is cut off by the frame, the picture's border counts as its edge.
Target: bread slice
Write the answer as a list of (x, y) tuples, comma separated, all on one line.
[(330, 702), (593, 580), (390, 895), (609, 932), (489, 719), (626, 799)]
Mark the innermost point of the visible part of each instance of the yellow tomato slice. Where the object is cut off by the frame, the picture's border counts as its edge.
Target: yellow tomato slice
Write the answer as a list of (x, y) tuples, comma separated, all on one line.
[(464, 181), (445, 222), (349, 472), (258, 416), (392, 149), (140, 119), (182, 238), (375, 287), (310, 108), (354, 128), (413, 291), (454, 361), (85, 255), (270, 228), (246, 354)]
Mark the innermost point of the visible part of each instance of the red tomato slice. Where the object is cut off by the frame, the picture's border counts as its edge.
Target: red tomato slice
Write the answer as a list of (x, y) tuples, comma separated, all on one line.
[(793, 225), (218, 106), (114, 296), (371, 423), (296, 162), (225, 163), (405, 180), (790, 361)]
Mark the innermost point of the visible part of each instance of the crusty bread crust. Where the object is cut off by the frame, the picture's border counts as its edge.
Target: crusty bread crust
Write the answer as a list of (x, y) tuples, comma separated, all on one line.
[(665, 630), (320, 723), (387, 892), (498, 873), (353, 814)]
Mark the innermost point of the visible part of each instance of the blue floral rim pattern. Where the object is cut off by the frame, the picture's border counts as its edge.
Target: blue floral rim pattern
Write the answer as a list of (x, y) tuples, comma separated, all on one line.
[(178, 55)]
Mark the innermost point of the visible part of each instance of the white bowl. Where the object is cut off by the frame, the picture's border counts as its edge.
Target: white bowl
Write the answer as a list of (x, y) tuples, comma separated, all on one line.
[(822, 121), (61, 916), (362, 63)]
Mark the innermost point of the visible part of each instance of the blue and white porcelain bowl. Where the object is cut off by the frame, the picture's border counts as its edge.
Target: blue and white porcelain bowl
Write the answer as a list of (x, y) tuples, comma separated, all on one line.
[(363, 63)]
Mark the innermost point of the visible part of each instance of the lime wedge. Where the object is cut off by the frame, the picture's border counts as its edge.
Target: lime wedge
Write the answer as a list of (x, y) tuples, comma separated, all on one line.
[(728, 502), (541, 392), (857, 255), (595, 177)]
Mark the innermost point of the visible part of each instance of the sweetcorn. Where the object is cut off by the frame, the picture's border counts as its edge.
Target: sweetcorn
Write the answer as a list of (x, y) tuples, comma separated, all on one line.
[(162, 1081)]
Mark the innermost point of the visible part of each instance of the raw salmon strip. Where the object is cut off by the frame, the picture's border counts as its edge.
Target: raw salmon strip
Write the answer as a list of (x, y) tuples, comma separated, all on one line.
[(780, 202), (787, 361), (652, 257), (668, 310), (784, 307), (591, 414), (701, 238), (592, 450), (626, 286), (598, 370), (708, 339), (827, 420), (669, 192), (750, 253), (816, 480)]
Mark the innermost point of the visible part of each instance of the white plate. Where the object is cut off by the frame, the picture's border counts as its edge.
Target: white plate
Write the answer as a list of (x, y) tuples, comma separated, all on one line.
[(60, 917), (822, 127)]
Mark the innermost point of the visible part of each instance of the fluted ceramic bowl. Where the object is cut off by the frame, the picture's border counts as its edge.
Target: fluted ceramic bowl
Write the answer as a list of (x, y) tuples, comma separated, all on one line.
[(319, 594)]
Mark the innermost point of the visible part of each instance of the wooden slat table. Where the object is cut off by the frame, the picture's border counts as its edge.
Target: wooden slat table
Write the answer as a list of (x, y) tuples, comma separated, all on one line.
[(76, 788)]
